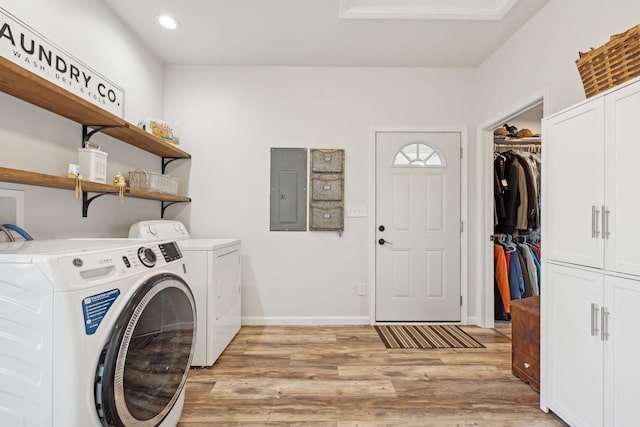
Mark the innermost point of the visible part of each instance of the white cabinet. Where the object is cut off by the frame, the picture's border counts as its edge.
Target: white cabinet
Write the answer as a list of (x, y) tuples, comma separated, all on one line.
[(621, 351), (622, 176), (591, 173), (593, 346), (574, 169), (591, 277), (574, 350)]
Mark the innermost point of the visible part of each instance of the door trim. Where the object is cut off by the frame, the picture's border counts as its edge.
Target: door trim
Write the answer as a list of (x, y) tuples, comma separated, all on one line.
[(464, 211)]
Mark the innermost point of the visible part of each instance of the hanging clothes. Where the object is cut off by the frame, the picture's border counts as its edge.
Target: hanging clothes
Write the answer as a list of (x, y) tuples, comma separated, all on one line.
[(516, 213), (531, 163), (531, 281), (516, 191), (538, 265), (502, 277), (516, 278), (523, 205), (508, 175)]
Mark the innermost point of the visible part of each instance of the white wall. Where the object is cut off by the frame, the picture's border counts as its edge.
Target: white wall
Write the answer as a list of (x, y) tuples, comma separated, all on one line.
[(543, 54), (230, 118), (538, 60), (36, 140)]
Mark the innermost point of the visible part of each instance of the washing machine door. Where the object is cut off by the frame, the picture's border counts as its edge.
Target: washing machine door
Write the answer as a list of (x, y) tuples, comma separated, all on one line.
[(144, 366)]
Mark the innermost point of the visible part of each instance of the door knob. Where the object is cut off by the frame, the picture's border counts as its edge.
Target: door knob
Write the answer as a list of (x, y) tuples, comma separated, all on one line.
[(381, 228), (382, 242)]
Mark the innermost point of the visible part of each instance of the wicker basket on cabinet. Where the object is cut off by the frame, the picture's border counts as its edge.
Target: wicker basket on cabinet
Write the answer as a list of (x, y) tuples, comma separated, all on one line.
[(611, 64)]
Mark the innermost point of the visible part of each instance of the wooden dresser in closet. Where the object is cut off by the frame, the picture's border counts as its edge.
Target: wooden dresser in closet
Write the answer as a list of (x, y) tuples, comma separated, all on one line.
[(525, 344)]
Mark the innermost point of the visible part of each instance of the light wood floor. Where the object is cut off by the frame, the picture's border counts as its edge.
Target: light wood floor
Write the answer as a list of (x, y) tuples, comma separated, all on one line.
[(344, 377)]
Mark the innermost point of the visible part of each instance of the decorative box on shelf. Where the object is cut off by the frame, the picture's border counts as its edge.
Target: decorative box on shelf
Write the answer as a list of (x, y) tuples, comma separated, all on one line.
[(161, 129)]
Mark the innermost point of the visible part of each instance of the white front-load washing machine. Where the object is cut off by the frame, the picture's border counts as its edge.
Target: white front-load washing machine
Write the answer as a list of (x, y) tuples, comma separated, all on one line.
[(94, 333), (214, 274)]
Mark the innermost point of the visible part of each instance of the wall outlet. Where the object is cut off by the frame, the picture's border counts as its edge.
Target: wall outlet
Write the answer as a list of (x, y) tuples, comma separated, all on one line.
[(362, 288)]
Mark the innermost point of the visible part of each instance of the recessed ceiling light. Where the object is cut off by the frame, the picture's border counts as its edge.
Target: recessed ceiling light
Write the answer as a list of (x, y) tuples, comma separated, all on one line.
[(167, 22)]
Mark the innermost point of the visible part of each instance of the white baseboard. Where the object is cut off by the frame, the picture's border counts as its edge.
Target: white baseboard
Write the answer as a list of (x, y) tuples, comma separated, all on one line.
[(305, 321), (473, 320), (319, 321)]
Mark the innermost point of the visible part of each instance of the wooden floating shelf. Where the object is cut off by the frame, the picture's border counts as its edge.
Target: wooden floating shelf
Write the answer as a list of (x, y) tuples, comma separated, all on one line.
[(154, 195), (25, 85), (36, 90), (43, 180)]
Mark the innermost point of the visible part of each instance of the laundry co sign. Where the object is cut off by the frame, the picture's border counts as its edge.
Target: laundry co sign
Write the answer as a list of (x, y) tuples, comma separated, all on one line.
[(25, 47)]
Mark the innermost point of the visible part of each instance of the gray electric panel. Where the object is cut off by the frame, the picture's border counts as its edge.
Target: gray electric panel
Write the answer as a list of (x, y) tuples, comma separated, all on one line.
[(288, 189)]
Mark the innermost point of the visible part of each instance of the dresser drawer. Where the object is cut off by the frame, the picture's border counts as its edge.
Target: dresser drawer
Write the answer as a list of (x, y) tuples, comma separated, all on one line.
[(526, 367), (525, 325)]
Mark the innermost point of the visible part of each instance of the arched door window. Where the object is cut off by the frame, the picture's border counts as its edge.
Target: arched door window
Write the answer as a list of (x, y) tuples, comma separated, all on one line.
[(419, 155)]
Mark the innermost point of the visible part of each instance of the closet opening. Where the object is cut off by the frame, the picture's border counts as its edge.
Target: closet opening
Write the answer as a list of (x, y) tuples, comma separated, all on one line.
[(517, 147), (516, 207)]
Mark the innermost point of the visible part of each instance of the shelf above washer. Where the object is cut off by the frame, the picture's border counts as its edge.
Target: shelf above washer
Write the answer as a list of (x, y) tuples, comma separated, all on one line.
[(32, 88)]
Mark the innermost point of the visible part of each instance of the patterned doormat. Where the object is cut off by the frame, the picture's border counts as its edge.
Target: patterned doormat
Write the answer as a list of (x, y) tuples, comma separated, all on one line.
[(425, 336)]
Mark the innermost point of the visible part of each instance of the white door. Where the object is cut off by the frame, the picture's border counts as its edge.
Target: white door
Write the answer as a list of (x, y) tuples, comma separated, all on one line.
[(574, 172), (621, 206), (418, 226)]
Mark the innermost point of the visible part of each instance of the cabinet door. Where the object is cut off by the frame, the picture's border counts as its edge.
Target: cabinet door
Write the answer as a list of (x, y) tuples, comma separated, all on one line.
[(574, 184), (622, 347), (621, 168), (574, 352)]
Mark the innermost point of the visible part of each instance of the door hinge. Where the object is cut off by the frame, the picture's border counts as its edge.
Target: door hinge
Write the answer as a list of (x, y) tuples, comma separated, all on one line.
[(460, 152), (460, 300), (461, 227)]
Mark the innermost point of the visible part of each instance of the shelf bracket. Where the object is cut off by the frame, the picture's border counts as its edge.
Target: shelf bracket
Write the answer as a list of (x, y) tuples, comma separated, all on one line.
[(86, 201), (165, 205), (86, 134), (166, 161)]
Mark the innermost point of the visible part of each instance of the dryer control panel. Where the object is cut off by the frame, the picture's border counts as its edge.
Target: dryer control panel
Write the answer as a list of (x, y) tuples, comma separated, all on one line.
[(159, 229)]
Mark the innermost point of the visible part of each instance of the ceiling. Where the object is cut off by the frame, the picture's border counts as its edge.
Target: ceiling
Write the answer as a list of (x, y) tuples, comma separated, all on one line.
[(342, 33)]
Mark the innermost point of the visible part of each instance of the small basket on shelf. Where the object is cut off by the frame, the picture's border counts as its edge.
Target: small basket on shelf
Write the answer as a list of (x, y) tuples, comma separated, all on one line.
[(140, 179), (611, 64)]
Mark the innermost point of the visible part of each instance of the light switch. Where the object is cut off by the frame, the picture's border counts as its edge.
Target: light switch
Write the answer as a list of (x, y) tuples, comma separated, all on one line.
[(356, 211)]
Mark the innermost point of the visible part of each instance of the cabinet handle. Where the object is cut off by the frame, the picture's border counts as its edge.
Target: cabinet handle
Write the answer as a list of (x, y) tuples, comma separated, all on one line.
[(594, 319), (595, 213), (527, 365), (605, 325), (605, 222)]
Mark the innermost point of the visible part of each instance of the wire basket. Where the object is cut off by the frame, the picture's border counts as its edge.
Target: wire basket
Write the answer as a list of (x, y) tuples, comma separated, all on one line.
[(171, 184), (153, 181), (611, 64)]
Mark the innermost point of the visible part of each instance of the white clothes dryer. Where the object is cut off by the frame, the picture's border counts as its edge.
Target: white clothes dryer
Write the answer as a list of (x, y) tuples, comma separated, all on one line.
[(94, 333), (214, 273)]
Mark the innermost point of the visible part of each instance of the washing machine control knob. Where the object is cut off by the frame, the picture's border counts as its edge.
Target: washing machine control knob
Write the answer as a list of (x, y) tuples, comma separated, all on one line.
[(147, 257)]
